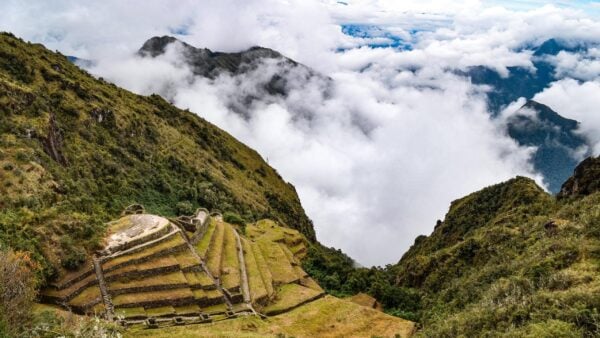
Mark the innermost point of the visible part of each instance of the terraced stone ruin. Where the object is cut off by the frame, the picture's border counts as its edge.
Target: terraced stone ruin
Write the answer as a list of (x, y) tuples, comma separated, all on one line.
[(156, 271)]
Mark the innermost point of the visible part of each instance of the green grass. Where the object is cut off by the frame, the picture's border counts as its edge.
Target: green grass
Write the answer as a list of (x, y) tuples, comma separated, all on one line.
[(199, 279), (173, 241), (204, 242), (230, 265), (130, 312), (186, 260), (86, 296), (255, 279), (143, 151), (263, 268), (278, 263), (219, 308), (215, 251), (160, 311), (164, 295), (155, 263), (71, 289), (187, 310), (155, 280), (290, 296)]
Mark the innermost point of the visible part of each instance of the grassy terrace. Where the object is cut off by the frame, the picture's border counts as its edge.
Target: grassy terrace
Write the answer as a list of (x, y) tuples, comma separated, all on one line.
[(186, 260), (290, 296), (310, 283), (204, 243), (187, 310), (174, 241), (278, 263), (132, 312), (263, 267), (71, 289), (213, 294), (230, 265), (160, 311), (326, 317), (198, 279), (215, 250), (219, 308), (139, 297), (255, 279), (176, 278), (87, 296), (86, 268), (156, 263)]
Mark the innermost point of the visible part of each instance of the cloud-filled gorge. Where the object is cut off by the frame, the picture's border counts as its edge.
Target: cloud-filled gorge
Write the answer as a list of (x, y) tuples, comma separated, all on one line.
[(380, 144)]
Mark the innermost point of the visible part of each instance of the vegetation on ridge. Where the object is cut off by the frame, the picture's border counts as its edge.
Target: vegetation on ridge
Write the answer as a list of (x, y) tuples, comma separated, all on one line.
[(509, 260), (75, 150)]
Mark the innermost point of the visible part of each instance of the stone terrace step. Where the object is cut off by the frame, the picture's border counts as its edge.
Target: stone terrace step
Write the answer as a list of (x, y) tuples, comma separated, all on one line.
[(173, 297), (171, 280), (158, 265), (174, 244)]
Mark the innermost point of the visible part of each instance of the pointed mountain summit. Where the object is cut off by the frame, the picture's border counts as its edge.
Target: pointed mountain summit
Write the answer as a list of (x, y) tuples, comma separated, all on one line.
[(555, 137)]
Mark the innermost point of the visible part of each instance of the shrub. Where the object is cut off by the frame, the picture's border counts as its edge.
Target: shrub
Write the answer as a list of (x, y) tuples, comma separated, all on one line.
[(184, 208), (17, 291), (233, 218)]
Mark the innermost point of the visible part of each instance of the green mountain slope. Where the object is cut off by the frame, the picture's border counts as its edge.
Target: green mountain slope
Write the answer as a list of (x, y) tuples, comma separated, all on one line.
[(509, 260), (75, 150)]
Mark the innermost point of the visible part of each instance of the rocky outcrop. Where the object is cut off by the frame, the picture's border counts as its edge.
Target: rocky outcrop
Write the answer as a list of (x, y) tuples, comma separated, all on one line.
[(585, 179)]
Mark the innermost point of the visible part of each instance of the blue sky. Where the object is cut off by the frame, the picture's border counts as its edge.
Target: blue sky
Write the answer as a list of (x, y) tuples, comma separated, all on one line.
[(591, 7)]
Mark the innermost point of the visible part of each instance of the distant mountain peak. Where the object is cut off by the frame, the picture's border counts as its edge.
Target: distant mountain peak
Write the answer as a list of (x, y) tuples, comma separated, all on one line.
[(206, 62), (555, 138)]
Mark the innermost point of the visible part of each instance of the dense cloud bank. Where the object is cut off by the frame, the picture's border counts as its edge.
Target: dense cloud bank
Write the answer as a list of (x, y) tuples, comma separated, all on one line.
[(398, 134)]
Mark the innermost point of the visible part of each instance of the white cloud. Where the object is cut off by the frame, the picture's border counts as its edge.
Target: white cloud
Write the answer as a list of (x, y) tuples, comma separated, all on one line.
[(400, 135), (579, 101)]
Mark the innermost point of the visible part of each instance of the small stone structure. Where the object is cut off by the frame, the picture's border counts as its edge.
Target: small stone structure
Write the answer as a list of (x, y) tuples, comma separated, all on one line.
[(134, 230)]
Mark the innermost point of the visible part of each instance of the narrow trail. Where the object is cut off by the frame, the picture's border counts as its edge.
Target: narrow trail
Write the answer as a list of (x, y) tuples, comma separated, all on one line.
[(110, 309)]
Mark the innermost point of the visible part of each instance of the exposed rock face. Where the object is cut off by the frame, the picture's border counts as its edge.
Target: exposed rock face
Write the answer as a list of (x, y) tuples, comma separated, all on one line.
[(585, 180)]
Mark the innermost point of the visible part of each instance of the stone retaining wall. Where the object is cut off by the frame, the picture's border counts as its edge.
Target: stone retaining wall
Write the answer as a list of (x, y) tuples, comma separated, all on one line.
[(161, 253), (135, 289), (144, 273)]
